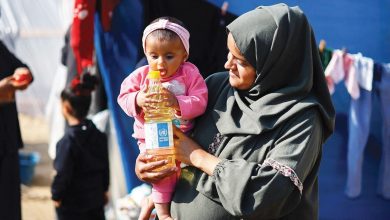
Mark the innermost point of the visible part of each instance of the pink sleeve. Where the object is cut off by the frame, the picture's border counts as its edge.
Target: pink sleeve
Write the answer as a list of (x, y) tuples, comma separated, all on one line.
[(128, 92), (195, 102)]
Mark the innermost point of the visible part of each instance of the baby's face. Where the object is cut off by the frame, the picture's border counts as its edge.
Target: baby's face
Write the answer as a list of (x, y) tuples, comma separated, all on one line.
[(165, 55)]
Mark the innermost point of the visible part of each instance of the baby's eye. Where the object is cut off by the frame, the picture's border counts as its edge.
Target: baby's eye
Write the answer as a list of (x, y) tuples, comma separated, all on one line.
[(169, 57), (154, 57)]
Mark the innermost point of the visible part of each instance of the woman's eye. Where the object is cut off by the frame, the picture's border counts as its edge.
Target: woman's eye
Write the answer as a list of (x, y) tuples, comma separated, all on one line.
[(241, 63)]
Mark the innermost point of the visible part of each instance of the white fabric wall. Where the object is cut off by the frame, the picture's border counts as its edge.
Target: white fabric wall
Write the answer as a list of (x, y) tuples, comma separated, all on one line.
[(34, 31)]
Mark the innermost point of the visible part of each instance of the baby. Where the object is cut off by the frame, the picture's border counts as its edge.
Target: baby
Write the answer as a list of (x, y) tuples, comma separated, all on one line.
[(166, 47)]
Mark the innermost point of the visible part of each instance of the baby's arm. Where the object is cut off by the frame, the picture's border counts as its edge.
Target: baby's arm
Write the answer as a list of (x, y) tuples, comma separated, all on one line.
[(195, 102), (130, 89)]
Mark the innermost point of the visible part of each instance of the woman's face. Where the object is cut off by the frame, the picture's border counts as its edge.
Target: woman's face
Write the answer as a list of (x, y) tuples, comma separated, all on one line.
[(242, 75), (165, 55)]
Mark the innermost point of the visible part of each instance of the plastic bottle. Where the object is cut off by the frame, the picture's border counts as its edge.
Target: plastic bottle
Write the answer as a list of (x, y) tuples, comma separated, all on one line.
[(158, 124)]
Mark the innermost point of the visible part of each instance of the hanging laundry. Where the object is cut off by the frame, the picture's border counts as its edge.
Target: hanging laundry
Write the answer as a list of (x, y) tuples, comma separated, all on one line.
[(350, 76), (337, 68), (359, 129), (364, 68), (325, 54), (82, 41)]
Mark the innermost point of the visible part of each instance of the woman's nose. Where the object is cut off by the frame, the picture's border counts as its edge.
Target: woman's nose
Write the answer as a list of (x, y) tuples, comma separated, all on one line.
[(229, 62)]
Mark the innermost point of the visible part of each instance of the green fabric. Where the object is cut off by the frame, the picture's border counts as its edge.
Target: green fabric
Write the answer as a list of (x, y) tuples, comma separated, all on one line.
[(289, 73), (286, 116), (241, 186), (326, 56)]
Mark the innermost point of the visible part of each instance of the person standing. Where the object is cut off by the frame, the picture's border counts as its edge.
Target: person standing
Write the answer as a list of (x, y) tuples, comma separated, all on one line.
[(14, 76), (80, 186)]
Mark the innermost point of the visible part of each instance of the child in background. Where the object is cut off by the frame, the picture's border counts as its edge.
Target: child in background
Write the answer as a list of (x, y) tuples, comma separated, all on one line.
[(166, 47), (79, 189)]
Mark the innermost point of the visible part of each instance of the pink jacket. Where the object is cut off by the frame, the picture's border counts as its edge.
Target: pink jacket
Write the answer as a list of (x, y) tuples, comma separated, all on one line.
[(187, 84), (191, 92)]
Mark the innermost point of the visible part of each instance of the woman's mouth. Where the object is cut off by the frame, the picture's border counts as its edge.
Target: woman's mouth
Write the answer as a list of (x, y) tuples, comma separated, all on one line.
[(232, 74)]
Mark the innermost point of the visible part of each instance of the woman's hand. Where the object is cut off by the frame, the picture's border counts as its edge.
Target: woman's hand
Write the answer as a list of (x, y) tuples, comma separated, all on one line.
[(6, 89), (189, 152), (144, 169), (22, 78)]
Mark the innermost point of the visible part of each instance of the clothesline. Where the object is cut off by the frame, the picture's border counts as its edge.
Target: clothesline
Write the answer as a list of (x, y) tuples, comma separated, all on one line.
[(356, 70)]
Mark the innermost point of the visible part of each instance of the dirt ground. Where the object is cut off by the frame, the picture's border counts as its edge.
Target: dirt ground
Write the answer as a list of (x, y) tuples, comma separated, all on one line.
[(36, 202)]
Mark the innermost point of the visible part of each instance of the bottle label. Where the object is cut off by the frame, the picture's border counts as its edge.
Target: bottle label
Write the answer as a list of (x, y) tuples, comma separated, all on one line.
[(158, 135)]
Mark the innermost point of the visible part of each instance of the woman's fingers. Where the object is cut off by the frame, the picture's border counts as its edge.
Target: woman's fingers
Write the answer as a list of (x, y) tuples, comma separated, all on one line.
[(178, 134), (156, 176), (146, 169), (150, 166)]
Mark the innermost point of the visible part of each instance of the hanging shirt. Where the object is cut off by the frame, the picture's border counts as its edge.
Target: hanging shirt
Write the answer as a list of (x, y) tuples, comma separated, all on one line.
[(335, 69), (364, 70), (326, 56)]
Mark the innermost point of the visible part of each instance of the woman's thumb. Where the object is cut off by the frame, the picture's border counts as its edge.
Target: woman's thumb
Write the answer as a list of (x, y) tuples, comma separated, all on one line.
[(177, 132)]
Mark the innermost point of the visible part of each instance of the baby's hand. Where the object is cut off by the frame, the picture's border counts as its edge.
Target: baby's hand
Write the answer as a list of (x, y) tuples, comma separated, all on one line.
[(147, 101), (170, 99), (141, 97)]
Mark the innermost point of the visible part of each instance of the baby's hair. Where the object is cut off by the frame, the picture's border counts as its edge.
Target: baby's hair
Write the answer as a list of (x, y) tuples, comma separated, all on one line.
[(165, 34), (78, 94)]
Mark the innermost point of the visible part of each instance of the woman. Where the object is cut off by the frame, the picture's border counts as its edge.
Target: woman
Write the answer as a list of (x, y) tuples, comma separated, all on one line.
[(14, 76), (255, 153)]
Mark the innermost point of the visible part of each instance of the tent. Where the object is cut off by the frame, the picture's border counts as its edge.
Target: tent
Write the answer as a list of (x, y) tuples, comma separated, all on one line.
[(359, 26)]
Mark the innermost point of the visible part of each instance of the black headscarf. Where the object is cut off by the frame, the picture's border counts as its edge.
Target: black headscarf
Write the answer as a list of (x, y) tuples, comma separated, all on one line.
[(279, 43)]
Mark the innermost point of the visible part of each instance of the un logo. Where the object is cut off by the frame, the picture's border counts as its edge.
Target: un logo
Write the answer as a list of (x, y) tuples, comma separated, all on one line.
[(163, 132)]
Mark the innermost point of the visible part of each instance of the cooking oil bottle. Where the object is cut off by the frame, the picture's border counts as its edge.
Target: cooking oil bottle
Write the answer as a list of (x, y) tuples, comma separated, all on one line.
[(158, 124)]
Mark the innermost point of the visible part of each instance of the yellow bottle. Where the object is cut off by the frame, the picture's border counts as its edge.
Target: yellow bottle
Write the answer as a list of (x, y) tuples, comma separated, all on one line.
[(158, 124)]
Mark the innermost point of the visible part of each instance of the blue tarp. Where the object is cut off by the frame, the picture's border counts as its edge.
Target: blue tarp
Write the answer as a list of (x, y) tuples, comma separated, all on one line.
[(117, 52)]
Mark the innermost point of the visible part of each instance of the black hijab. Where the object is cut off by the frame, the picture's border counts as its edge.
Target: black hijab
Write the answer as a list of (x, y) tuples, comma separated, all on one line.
[(279, 43)]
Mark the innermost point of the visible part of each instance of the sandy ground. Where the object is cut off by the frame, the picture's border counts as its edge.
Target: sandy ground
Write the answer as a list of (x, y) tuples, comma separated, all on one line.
[(36, 202)]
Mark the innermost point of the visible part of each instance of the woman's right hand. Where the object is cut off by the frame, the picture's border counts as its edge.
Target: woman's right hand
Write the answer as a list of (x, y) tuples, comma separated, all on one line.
[(22, 78), (145, 170)]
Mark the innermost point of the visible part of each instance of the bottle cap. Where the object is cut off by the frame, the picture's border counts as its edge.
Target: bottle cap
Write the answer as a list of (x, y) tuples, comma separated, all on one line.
[(154, 74)]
